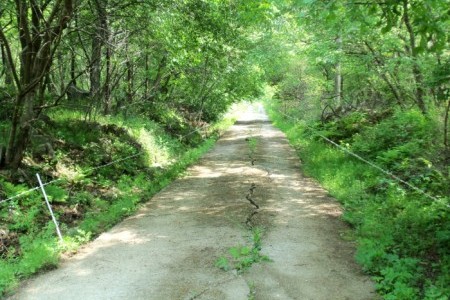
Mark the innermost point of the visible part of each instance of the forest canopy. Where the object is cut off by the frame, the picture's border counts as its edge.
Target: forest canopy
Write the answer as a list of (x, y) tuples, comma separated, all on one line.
[(131, 57)]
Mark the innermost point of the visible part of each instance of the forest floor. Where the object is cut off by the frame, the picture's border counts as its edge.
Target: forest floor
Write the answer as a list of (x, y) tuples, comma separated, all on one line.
[(244, 223)]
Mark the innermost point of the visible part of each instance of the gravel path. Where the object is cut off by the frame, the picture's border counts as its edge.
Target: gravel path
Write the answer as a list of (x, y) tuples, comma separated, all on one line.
[(168, 249)]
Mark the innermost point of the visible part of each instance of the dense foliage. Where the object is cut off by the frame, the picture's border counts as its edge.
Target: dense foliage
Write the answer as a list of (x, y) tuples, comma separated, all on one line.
[(175, 62), (86, 82)]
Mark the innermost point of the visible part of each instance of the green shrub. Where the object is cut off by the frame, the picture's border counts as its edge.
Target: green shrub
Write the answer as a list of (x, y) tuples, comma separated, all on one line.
[(405, 134), (7, 276), (37, 255), (342, 129)]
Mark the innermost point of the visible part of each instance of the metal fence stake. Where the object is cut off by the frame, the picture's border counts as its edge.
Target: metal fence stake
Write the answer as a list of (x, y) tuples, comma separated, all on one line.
[(49, 207)]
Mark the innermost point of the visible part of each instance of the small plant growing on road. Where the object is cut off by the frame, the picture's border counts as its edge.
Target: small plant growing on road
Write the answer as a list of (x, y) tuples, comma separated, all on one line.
[(252, 144), (243, 257), (252, 293)]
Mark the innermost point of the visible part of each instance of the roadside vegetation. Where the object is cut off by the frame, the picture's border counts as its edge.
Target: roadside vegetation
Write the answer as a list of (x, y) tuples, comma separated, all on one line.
[(402, 235), (373, 78), (102, 177), (112, 99)]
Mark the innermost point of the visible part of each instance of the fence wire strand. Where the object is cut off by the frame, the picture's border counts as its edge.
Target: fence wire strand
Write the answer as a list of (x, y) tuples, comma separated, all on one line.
[(386, 172), (373, 165), (93, 169)]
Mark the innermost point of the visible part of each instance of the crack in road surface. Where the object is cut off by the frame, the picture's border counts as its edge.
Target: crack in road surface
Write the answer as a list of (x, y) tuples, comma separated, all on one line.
[(168, 249), (249, 198), (250, 194)]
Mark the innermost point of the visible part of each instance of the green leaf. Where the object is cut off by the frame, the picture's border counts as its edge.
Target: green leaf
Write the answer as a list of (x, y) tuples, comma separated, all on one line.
[(245, 250), (235, 252), (223, 263)]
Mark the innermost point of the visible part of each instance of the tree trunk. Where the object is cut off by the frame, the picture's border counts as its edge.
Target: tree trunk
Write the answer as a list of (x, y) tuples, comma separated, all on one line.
[(7, 70), (130, 78), (73, 65), (379, 61), (146, 77), (20, 135), (338, 76), (95, 71), (446, 132), (38, 39), (417, 72), (62, 72), (107, 108), (157, 81), (99, 39)]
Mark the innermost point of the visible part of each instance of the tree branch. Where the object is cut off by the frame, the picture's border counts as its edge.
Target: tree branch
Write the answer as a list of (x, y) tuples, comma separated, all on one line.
[(9, 58)]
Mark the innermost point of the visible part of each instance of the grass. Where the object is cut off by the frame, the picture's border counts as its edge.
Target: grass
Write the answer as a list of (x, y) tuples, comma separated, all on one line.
[(252, 291), (252, 144)]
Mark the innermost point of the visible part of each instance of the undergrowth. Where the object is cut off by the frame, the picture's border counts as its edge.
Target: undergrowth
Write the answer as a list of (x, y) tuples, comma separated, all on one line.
[(403, 236), (137, 158)]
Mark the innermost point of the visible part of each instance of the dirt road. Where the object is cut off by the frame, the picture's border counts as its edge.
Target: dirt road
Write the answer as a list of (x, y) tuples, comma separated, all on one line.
[(169, 249)]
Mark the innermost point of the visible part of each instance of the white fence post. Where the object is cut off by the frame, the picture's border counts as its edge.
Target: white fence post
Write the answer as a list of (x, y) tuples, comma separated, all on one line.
[(49, 208)]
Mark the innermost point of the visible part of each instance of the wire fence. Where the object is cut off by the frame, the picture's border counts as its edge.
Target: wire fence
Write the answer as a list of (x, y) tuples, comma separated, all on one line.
[(2, 201), (373, 165)]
